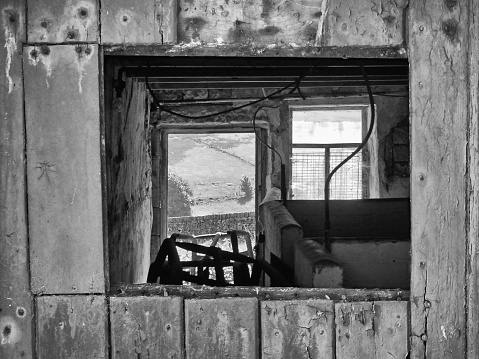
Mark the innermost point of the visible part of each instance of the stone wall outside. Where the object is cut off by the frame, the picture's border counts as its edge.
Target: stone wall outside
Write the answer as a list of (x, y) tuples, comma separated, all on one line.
[(213, 223)]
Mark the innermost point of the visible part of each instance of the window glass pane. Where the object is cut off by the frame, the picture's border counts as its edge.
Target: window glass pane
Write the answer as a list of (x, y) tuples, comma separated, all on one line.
[(308, 173), (309, 168), (347, 182), (327, 126)]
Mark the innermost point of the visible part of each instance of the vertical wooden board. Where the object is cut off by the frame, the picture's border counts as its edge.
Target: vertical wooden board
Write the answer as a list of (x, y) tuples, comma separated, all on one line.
[(139, 22), (355, 331), (373, 23), (391, 330), (59, 21), (71, 327), (297, 23), (150, 327), (373, 330), (129, 202), (473, 160), (220, 328), (297, 329), (439, 93), (63, 169), (15, 300)]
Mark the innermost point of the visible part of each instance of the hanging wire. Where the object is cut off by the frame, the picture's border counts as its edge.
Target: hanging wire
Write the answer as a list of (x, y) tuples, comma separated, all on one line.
[(262, 108), (296, 84), (163, 108), (327, 222)]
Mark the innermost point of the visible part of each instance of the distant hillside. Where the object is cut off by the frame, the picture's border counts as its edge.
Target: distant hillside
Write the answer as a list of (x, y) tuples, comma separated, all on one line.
[(213, 166)]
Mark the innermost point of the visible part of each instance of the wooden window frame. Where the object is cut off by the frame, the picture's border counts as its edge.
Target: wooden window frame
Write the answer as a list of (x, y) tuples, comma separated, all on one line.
[(336, 105)]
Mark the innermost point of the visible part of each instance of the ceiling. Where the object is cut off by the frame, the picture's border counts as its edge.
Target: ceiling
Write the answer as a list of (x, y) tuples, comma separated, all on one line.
[(174, 73)]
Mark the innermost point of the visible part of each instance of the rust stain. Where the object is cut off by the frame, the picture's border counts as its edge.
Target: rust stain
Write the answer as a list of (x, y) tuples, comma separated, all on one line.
[(269, 30), (321, 16), (10, 21), (10, 331), (84, 55)]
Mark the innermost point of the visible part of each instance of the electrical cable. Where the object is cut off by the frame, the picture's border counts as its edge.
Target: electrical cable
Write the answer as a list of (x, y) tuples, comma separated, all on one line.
[(295, 83), (327, 222), (284, 189), (296, 87), (258, 136)]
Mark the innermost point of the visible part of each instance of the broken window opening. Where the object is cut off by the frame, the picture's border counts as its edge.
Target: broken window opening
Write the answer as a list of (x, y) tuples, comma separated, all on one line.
[(138, 132), (211, 190)]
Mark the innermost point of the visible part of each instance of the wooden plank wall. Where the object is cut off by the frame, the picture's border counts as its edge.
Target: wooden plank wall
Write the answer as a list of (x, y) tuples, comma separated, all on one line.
[(16, 307), (472, 267), (252, 24), (62, 99), (129, 196), (71, 327), (440, 179), (150, 327), (63, 169), (252, 328)]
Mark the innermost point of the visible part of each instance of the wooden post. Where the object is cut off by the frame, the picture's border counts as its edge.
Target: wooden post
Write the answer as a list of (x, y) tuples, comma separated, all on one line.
[(472, 269), (440, 123), (63, 169), (16, 310)]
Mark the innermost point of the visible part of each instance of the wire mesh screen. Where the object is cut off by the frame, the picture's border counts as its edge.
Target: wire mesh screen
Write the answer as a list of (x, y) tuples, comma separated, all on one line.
[(309, 171)]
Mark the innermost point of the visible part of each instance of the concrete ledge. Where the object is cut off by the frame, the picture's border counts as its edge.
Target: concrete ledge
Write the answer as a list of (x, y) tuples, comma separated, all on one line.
[(281, 231), (314, 267), (374, 262)]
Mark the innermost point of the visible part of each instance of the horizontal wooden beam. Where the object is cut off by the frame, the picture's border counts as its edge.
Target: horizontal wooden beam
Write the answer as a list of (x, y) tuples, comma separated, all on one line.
[(349, 69), (252, 50), (186, 291), (268, 84)]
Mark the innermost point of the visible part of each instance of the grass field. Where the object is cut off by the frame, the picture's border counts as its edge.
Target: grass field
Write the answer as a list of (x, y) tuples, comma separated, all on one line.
[(213, 166)]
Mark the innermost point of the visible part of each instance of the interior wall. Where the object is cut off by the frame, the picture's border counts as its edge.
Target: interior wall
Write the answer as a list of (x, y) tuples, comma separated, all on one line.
[(390, 111), (130, 192), (393, 146)]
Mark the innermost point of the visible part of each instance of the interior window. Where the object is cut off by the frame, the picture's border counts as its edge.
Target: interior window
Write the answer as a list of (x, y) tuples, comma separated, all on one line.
[(321, 139)]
